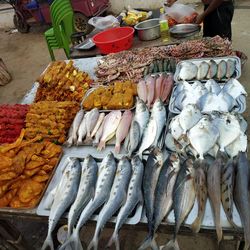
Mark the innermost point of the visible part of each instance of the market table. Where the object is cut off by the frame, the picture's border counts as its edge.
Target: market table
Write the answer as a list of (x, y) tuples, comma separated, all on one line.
[(88, 65)]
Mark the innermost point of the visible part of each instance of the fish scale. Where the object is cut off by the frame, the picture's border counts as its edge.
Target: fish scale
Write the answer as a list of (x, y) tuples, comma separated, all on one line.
[(117, 197), (63, 198), (134, 197)]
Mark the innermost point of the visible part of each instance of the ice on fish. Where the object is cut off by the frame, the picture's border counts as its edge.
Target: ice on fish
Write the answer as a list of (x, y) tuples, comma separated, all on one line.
[(188, 71)]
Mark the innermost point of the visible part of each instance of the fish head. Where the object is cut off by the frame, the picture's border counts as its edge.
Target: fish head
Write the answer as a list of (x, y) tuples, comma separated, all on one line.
[(189, 166), (141, 105), (175, 160), (158, 104), (158, 155), (135, 162)]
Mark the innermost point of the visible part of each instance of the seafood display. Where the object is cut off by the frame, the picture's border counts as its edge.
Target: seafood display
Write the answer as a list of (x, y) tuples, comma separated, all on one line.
[(203, 69), (12, 120), (134, 64), (62, 82), (84, 188), (50, 120), (154, 87), (98, 128), (209, 96), (119, 95), (25, 168)]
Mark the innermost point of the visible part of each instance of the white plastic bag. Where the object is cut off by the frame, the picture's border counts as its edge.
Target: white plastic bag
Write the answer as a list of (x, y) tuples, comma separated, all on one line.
[(179, 11), (103, 23)]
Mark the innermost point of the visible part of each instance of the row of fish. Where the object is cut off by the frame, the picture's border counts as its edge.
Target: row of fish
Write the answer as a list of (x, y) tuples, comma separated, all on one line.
[(206, 69), (193, 133), (209, 96), (98, 128), (176, 183), (83, 189), (147, 128), (154, 87)]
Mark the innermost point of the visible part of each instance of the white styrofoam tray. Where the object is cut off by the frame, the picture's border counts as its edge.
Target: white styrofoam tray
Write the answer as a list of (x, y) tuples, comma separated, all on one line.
[(197, 62), (81, 152)]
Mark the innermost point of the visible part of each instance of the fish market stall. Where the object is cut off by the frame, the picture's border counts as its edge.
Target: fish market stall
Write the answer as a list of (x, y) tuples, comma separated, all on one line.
[(152, 137)]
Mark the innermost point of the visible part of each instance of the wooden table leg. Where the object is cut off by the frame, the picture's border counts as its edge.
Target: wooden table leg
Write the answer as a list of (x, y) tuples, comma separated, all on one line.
[(10, 234)]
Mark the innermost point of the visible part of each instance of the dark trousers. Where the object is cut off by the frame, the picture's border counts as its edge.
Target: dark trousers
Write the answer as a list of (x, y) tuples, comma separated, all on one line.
[(219, 21)]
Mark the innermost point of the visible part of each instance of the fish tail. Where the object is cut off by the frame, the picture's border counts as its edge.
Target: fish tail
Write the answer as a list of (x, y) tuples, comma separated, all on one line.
[(73, 240), (114, 239), (149, 242), (88, 139), (219, 233), (171, 245), (101, 145), (117, 148), (196, 225), (48, 243), (79, 142), (93, 244)]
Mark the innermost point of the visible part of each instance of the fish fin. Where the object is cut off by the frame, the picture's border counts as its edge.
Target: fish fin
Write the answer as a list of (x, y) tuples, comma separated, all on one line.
[(149, 242), (93, 244), (73, 240), (48, 243), (171, 245), (101, 145), (196, 225), (88, 140), (117, 148), (114, 239)]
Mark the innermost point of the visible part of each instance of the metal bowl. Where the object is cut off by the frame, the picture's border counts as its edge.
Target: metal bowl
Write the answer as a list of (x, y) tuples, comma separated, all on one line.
[(149, 29), (184, 30)]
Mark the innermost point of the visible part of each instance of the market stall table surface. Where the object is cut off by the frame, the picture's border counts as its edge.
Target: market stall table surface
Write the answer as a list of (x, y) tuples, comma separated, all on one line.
[(87, 65)]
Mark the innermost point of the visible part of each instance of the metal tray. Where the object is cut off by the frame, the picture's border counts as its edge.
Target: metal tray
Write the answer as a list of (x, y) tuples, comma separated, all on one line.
[(197, 62), (81, 153), (240, 109), (184, 30)]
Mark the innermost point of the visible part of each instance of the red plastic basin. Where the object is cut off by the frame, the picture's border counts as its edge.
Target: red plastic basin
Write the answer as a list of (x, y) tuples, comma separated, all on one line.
[(114, 40)]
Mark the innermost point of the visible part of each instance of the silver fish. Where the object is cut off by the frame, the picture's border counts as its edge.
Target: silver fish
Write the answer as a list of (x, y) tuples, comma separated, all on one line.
[(212, 69), (106, 173), (152, 171), (163, 197), (183, 199), (227, 187), (85, 192), (222, 69), (63, 198), (116, 199), (141, 115), (155, 126), (200, 181), (98, 134), (202, 70), (188, 71), (214, 190), (134, 137), (241, 195), (230, 68), (82, 130), (134, 197)]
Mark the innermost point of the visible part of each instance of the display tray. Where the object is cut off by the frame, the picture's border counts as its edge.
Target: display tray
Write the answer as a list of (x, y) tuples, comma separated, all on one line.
[(81, 153), (198, 61), (240, 102)]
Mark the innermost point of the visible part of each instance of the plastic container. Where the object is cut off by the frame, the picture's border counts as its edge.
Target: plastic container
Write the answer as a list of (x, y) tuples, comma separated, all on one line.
[(164, 29), (114, 40)]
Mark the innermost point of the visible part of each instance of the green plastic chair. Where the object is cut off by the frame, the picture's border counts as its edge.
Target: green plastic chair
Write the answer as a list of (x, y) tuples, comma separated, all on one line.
[(62, 21)]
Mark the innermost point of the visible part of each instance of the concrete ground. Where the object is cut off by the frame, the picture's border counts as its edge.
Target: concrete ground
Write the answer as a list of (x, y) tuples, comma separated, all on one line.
[(26, 56)]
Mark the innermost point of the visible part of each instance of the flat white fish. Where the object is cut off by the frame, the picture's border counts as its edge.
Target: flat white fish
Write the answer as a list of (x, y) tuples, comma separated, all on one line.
[(234, 88), (91, 121), (82, 130), (98, 124), (202, 70), (203, 136), (188, 71), (212, 86)]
